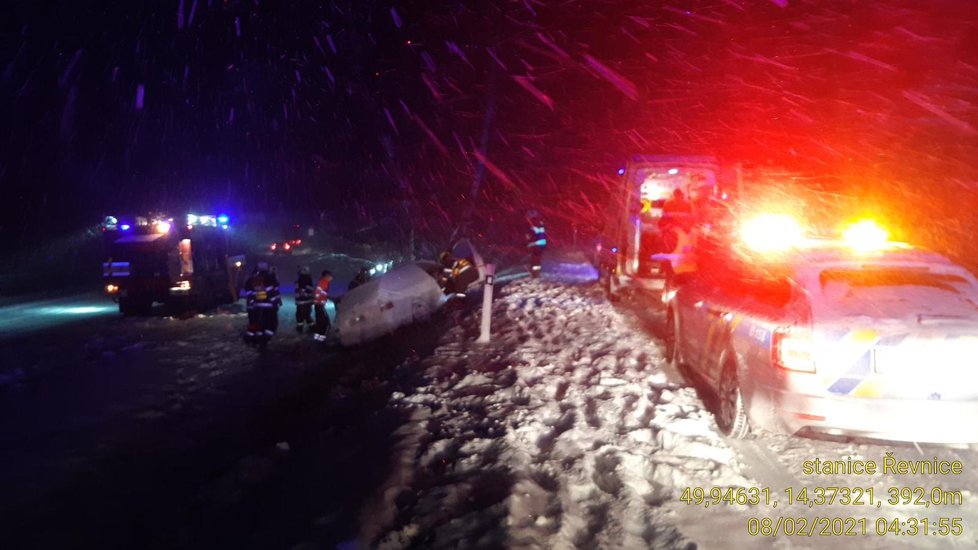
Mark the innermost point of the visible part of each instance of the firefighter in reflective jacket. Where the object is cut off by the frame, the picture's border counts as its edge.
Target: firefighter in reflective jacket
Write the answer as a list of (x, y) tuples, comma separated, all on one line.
[(262, 297), (447, 262), (320, 299), (304, 290), (464, 273), (537, 242)]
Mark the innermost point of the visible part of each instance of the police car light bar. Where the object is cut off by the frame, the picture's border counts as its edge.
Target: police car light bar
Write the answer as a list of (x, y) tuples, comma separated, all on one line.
[(866, 236), (772, 233)]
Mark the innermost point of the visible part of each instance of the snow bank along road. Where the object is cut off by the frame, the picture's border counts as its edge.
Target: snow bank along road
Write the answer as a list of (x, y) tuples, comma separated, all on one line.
[(568, 431)]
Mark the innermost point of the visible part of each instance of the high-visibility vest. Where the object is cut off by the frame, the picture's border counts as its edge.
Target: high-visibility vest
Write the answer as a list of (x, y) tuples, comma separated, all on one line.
[(538, 236), (684, 261), (322, 291), (461, 266)]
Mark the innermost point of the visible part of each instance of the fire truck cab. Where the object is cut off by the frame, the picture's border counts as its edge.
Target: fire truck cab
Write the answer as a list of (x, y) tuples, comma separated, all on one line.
[(184, 264)]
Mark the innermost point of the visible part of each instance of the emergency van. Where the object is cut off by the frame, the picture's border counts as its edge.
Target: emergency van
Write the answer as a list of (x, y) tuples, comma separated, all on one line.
[(640, 226)]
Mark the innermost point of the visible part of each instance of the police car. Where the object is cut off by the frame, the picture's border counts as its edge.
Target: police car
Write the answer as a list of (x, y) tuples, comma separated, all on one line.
[(858, 336)]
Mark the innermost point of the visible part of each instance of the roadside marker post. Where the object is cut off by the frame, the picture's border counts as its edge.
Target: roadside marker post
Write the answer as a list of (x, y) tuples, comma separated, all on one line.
[(487, 303)]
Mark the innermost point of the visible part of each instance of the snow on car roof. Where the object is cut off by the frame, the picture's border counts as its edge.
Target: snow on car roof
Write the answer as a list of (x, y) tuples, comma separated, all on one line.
[(827, 251)]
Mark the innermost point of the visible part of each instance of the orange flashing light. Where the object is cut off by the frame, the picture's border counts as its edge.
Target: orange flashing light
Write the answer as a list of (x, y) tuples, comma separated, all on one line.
[(772, 233), (866, 236)]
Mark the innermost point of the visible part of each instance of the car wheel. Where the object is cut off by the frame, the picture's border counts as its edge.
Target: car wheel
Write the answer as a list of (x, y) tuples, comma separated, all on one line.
[(732, 415)]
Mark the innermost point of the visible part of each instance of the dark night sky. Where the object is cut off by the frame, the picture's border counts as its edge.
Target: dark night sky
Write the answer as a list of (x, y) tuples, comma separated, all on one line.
[(327, 105)]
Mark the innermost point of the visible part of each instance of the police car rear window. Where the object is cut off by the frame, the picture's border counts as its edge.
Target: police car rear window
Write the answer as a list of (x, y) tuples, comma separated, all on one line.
[(897, 292), (876, 277)]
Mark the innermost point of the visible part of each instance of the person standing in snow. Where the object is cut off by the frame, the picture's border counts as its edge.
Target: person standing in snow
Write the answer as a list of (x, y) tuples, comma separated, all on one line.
[(262, 297), (304, 294), (275, 296), (320, 299), (537, 242)]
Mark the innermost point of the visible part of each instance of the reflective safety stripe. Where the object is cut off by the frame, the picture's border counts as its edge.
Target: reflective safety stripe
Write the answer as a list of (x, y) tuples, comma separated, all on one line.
[(855, 349), (264, 304)]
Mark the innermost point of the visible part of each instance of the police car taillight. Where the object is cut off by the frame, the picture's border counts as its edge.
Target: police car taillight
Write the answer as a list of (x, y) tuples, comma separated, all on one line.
[(792, 349)]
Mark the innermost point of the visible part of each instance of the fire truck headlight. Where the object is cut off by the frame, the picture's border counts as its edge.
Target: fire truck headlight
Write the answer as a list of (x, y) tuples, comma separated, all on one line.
[(163, 227), (181, 287), (111, 289)]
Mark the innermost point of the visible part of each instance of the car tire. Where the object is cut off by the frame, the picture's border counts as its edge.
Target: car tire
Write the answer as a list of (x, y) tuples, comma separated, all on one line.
[(731, 415)]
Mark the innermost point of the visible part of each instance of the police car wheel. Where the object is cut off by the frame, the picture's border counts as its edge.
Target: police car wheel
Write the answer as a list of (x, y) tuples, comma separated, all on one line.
[(732, 415)]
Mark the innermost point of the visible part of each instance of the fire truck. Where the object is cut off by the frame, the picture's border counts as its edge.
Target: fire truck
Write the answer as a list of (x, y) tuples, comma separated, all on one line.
[(183, 263), (640, 233)]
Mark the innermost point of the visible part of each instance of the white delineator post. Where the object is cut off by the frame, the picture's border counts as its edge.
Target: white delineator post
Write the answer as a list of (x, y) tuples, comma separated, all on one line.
[(487, 303)]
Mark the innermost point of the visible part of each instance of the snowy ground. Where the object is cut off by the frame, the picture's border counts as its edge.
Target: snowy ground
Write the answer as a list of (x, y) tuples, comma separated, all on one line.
[(567, 431), (570, 431)]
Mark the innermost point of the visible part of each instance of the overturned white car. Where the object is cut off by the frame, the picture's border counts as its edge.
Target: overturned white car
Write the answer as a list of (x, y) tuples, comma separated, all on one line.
[(403, 295)]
